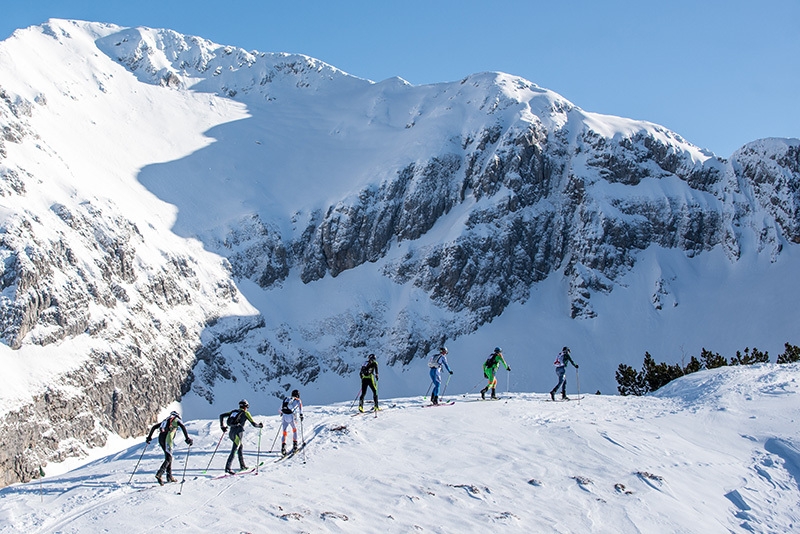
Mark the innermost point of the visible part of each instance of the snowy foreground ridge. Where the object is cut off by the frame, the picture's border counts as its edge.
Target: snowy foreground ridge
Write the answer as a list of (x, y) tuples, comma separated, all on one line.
[(715, 451)]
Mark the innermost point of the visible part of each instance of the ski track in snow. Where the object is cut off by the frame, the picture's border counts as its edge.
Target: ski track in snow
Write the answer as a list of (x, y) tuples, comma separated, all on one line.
[(719, 453)]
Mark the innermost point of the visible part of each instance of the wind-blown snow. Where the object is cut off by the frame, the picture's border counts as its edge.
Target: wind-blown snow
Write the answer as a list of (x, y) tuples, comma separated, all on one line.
[(715, 451)]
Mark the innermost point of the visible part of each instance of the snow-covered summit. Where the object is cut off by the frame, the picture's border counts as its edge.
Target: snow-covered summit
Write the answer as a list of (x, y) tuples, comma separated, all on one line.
[(183, 220)]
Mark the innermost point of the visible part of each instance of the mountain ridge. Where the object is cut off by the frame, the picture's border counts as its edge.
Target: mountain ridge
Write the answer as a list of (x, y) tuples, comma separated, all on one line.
[(269, 218)]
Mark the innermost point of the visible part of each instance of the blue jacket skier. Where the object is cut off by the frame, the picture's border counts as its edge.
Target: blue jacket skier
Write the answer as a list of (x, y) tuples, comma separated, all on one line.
[(436, 362), (561, 362)]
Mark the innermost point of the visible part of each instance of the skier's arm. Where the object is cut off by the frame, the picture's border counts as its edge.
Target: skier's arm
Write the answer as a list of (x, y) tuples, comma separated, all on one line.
[(222, 418), (505, 363), (444, 361), (185, 433), (252, 422), (150, 434)]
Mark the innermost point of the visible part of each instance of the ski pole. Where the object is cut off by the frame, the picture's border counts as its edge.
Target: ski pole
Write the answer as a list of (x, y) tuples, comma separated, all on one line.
[(214, 453), (185, 463), (427, 390), (578, 384), (276, 438), (358, 392), (258, 455), (303, 439), (473, 389), (137, 463), (508, 381), (445, 384)]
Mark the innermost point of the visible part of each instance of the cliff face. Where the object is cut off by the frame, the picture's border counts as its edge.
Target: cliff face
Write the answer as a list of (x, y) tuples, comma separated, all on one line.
[(468, 195)]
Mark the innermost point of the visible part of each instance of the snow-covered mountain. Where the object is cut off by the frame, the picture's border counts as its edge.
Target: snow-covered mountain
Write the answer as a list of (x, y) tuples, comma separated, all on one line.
[(188, 221), (715, 451)]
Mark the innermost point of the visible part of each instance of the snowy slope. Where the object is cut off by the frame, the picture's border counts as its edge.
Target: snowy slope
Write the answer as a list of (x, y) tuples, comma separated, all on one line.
[(716, 451)]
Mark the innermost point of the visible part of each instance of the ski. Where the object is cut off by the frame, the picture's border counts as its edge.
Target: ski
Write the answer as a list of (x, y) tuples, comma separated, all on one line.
[(240, 472), (290, 454), (448, 403)]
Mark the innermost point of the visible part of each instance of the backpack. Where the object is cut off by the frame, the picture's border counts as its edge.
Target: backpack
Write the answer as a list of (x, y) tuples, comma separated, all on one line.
[(166, 424), (433, 363), (490, 361), (285, 406), (365, 369), (235, 418)]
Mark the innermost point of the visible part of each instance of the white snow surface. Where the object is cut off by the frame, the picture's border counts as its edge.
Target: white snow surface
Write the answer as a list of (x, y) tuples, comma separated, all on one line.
[(715, 451)]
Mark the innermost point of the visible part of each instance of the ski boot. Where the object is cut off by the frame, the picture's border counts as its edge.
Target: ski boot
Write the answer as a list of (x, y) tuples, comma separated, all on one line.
[(361, 408), (171, 478), (552, 395), (160, 480), (294, 447), (435, 399), (564, 396), (283, 449), (483, 393), (494, 395)]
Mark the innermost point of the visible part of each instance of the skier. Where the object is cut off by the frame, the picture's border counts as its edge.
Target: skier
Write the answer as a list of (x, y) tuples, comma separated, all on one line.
[(236, 420), (561, 362), (369, 379), (435, 363), (288, 407), (490, 367), (166, 438)]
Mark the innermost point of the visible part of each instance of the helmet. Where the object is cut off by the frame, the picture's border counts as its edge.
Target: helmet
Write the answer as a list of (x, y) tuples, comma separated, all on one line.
[(175, 414), (244, 404), (443, 350), (295, 393), (371, 357), (498, 350), (565, 349)]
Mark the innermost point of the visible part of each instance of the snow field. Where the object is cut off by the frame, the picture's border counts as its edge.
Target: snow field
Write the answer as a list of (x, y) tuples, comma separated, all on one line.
[(716, 451)]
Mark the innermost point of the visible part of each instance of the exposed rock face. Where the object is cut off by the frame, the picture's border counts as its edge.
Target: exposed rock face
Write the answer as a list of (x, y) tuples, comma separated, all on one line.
[(539, 187)]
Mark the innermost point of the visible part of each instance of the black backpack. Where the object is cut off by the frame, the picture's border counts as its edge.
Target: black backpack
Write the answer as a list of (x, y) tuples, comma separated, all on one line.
[(235, 418), (285, 407)]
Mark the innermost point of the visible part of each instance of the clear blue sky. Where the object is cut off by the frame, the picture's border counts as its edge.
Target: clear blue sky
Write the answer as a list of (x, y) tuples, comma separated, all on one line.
[(718, 72)]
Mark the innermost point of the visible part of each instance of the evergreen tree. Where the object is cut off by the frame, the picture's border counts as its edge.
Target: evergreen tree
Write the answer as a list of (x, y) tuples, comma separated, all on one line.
[(790, 355), (750, 358), (693, 366), (712, 360), (630, 381)]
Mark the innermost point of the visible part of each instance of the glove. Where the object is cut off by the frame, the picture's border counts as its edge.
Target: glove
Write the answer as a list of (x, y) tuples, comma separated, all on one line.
[(260, 425), (301, 417), (148, 440), (576, 366), (451, 372), (509, 369), (189, 441), (224, 428)]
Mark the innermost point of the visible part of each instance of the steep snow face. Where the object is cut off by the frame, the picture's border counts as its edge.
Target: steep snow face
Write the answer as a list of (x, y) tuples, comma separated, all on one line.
[(715, 451), (182, 219)]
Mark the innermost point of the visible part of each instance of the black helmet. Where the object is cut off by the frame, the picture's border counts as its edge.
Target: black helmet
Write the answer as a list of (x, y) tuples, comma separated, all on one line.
[(175, 414), (244, 404), (565, 349), (371, 357), (443, 350), (498, 350), (295, 394)]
